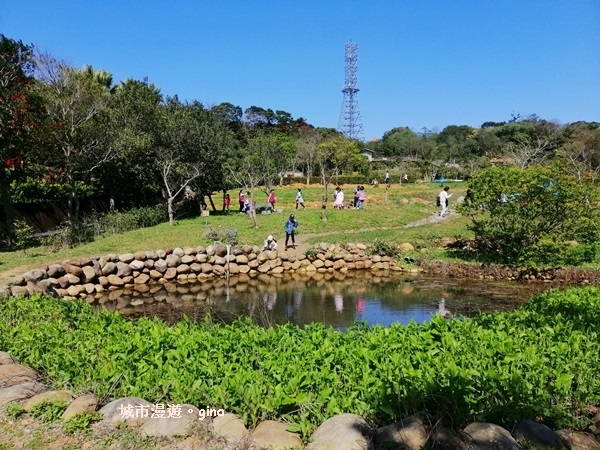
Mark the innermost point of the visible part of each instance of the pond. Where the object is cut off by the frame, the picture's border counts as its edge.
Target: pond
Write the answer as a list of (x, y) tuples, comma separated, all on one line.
[(335, 299)]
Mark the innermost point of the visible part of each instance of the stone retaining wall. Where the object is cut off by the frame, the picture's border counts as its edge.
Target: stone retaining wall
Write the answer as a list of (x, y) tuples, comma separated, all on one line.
[(81, 277)]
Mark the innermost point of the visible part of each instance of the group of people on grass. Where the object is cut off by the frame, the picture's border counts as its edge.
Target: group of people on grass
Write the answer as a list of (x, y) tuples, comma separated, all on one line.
[(338, 203)]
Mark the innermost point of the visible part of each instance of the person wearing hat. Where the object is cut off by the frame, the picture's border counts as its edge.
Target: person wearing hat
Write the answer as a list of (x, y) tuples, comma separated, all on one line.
[(290, 230), (270, 243)]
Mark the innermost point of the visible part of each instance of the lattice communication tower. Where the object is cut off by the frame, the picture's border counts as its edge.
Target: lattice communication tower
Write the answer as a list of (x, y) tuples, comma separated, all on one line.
[(350, 124)]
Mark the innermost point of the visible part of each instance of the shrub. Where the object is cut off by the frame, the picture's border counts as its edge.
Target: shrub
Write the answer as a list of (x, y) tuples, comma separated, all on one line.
[(14, 410), (49, 411), (116, 222), (23, 234), (69, 235), (81, 422), (35, 191), (225, 236), (527, 217), (383, 248), (311, 253)]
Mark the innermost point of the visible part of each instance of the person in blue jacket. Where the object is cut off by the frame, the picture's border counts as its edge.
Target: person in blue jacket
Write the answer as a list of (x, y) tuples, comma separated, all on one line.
[(290, 230)]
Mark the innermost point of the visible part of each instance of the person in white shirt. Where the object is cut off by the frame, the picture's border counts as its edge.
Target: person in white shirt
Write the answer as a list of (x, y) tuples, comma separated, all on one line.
[(270, 243), (444, 196)]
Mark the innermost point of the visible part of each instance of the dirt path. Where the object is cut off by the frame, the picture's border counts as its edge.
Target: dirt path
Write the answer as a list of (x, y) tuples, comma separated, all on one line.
[(302, 240)]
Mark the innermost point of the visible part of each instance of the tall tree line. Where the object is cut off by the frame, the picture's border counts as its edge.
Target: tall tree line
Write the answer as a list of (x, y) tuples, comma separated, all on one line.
[(131, 145)]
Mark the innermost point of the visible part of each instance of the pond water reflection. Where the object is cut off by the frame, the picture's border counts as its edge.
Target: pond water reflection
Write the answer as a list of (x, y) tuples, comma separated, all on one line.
[(335, 299)]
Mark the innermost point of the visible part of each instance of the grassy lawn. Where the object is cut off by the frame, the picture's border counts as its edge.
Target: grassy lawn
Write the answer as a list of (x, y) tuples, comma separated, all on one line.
[(384, 217)]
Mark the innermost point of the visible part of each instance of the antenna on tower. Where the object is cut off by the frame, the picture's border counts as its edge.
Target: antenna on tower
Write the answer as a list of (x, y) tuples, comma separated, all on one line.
[(350, 124)]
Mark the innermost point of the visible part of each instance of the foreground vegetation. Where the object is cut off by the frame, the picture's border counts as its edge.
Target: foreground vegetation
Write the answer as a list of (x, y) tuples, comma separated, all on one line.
[(540, 361)]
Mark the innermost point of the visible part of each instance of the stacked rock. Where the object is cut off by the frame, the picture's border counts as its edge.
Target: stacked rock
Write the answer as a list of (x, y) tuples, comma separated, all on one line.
[(80, 277)]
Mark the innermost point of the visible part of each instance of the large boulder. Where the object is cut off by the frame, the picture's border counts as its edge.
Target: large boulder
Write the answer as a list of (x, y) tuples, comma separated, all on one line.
[(123, 269), (230, 427), (488, 436), (577, 440), (88, 275), (114, 280), (49, 396), (55, 271), (220, 250), (137, 264), (173, 260), (160, 265), (109, 268), (409, 434), (344, 431), (126, 258), (81, 405), (160, 424), (6, 358), (537, 435), (35, 275), (11, 374), (406, 247), (133, 411), (274, 435), (72, 269), (20, 392)]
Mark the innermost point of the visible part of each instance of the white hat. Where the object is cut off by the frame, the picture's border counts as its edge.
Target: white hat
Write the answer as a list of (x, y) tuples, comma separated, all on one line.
[(270, 238)]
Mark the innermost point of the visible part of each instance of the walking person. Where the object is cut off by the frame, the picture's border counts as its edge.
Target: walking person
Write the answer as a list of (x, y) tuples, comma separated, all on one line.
[(272, 199), (290, 231), (387, 177), (362, 196), (338, 198), (226, 203), (242, 200), (299, 199), (443, 201)]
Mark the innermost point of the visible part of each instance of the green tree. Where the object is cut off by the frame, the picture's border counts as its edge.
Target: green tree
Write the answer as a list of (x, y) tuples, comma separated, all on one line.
[(191, 143), (134, 119), (581, 150), (21, 112), (529, 216), (308, 142), (334, 156), (77, 103)]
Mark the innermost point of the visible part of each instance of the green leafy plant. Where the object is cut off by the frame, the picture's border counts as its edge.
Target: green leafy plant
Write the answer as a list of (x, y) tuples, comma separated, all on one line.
[(81, 422), (538, 361), (311, 253), (48, 411), (14, 410), (383, 248), (23, 234)]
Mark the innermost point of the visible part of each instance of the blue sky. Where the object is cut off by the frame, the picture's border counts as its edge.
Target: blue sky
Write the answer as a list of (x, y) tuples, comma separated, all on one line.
[(429, 63)]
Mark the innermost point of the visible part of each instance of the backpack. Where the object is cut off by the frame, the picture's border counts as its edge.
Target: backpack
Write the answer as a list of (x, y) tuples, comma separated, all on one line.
[(438, 201)]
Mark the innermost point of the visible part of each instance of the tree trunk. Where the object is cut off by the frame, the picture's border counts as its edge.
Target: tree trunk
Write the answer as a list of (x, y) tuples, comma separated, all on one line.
[(9, 216), (170, 209), (212, 204), (324, 205)]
